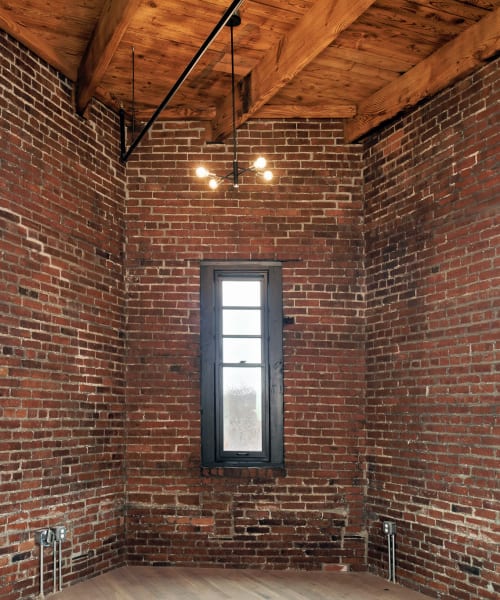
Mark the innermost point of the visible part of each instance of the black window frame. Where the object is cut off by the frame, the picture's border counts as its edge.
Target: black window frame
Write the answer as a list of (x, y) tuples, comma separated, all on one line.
[(211, 272)]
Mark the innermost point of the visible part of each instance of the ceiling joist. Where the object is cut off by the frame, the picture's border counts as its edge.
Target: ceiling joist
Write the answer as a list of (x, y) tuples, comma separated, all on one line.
[(319, 27), (451, 62), (326, 110), (112, 24), (363, 61), (32, 41)]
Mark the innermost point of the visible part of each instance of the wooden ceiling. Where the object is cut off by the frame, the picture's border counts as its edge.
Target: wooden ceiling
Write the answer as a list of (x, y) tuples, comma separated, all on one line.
[(360, 60)]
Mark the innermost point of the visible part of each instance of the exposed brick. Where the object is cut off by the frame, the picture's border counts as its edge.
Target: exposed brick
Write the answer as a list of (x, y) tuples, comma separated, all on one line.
[(431, 398), (61, 231), (391, 263)]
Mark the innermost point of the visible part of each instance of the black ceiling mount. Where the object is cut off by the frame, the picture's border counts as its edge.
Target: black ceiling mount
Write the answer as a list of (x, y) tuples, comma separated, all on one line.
[(234, 20)]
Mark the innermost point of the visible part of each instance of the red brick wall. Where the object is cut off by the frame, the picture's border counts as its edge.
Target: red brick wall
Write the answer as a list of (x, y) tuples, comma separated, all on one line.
[(433, 264), (310, 514), (67, 308), (61, 317)]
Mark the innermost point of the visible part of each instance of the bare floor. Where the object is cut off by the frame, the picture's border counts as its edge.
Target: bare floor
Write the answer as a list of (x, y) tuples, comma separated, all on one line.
[(180, 583)]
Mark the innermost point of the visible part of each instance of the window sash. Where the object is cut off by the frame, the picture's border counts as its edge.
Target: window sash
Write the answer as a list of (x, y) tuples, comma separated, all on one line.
[(213, 363), (241, 431)]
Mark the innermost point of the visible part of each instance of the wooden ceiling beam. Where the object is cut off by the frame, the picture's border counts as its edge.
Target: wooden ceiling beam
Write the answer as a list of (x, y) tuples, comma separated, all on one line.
[(113, 22), (451, 62), (319, 27), (34, 42), (178, 114), (327, 110)]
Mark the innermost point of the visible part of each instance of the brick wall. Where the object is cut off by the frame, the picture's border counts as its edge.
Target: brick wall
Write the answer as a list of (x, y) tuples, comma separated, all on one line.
[(68, 311), (310, 514), (61, 317), (433, 263)]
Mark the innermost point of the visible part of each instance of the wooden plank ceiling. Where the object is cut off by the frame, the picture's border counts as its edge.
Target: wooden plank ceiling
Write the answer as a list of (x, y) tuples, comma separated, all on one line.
[(360, 60)]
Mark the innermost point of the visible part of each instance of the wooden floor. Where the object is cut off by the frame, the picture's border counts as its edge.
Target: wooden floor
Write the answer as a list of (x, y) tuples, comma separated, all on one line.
[(179, 583)]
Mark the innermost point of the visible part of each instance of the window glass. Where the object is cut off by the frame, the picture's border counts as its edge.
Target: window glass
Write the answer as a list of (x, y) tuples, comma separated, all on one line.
[(241, 350), (241, 293), (241, 322), (242, 409), (241, 364)]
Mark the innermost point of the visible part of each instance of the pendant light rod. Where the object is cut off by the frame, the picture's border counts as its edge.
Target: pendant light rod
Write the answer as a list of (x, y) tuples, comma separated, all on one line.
[(133, 91), (234, 21), (125, 154), (259, 165)]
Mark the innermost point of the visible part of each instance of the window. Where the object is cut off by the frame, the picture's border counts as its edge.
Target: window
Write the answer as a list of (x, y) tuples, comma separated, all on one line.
[(241, 364)]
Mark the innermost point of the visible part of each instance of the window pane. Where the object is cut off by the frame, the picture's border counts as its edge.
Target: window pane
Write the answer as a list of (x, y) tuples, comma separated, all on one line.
[(241, 364), (241, 293), (240, 322), (236, 350), (242, 409)]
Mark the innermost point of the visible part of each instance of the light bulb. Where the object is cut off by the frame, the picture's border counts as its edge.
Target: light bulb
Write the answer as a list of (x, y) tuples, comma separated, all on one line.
[(201, 172), (213, 183), (260, 163), (267, 175)]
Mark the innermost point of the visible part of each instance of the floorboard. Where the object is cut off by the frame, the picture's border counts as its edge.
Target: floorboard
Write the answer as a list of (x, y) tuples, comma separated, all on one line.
[(182, 583)]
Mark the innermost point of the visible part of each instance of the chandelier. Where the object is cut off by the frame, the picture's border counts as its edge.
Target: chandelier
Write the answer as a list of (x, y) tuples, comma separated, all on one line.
[(259, 165)]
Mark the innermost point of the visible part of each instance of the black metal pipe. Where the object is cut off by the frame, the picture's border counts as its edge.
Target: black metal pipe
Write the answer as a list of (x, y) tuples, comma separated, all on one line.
[(123, 147), (225, 18)]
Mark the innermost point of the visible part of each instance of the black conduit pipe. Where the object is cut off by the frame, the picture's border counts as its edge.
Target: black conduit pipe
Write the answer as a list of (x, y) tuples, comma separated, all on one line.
[(125, 154)]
